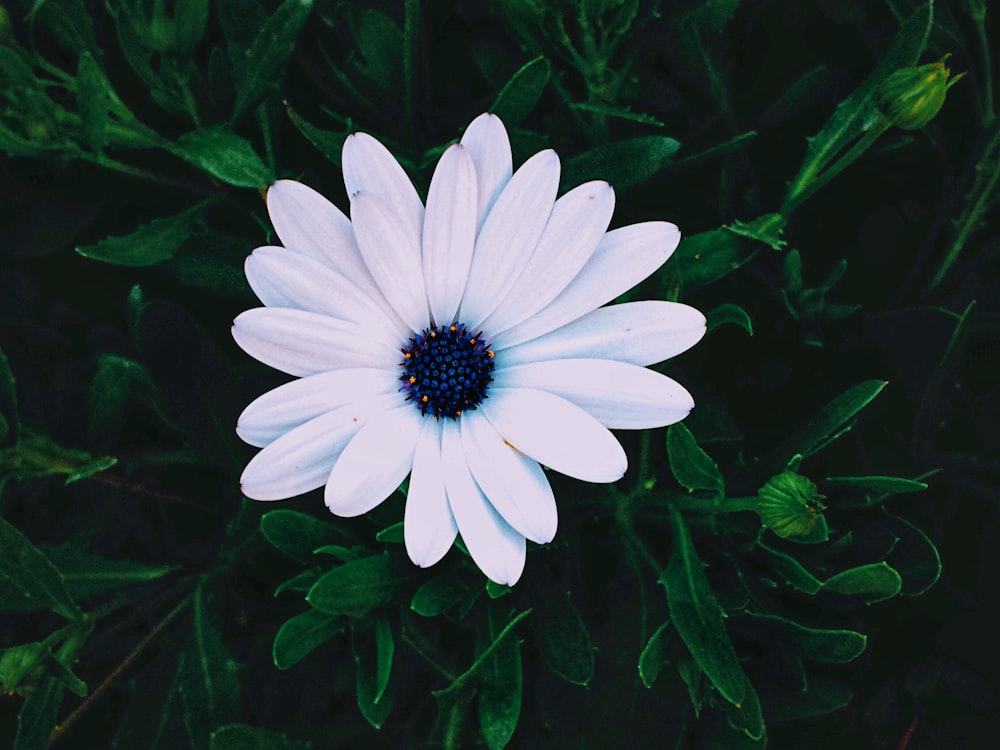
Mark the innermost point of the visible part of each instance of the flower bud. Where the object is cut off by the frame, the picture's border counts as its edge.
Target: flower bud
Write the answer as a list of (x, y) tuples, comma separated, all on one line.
[(911, 97), (790, 506)]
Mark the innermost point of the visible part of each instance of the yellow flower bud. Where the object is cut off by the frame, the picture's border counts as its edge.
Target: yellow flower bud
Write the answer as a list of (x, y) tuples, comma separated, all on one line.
[(911, 97), (790, 506)]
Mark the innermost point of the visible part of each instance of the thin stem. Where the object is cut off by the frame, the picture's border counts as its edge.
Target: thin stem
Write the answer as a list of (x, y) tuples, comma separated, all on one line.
[(60, 729), (416, 640), (115, 480), (984, 49)]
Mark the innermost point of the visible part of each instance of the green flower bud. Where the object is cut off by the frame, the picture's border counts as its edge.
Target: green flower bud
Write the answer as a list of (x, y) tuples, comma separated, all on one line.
[(22, 668), (790, 506), (911, 97)]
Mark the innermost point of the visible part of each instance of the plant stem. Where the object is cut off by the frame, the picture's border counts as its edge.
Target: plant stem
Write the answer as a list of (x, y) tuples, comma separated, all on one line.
[(60, 729)]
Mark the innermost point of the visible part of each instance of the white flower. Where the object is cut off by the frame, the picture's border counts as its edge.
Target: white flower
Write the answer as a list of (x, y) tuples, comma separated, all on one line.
[(463, 344)]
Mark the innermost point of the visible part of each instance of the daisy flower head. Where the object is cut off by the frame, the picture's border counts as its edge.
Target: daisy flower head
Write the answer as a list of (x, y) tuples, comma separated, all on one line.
[(462, 343)]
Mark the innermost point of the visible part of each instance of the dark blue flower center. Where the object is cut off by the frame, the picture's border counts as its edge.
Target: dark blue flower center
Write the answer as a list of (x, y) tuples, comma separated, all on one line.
[(446, 370)]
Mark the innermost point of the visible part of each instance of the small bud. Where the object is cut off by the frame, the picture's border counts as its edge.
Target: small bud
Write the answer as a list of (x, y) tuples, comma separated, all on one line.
[(911, 97), (790, 506)]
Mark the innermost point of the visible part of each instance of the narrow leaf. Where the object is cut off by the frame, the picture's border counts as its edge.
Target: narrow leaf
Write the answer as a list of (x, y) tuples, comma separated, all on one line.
[(148, 245), (92, 99), (815, 644), (28, 568), (521, 93), (244, 737), (692, 467), (824, 426), (329, 142), (190, 18), (698, 618), (38, 716), (299, 636), (709, 256), (654, 656), (875, 582), (914, 556), (372, 662), (563, 639), (10, 421), (622, 163), (877, 485), (500, 694), (821, 698), (261, 72), (729, 313), (438, 595)]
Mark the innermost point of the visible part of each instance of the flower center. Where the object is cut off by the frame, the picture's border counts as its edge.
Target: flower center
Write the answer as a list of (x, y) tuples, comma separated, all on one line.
[(446, 370)]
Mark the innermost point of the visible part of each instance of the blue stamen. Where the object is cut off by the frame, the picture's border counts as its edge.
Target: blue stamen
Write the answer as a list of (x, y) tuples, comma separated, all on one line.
[(446, 370)]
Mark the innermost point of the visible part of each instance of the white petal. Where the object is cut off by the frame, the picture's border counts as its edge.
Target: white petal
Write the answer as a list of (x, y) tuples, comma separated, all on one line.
[(370, 168), (449, 232), (308, 223), (428, 526), (374, 463), (641, 333), (392, 253), (284, 278), (496, 548), (513, 483), (623, 258), (578, 221), (301, 460), (278, 411), (509, 235), (556, 433), (619, 395), (305, 343), (487, 142)]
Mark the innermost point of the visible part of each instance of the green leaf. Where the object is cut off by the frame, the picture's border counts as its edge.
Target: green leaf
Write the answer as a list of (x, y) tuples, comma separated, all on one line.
[(381, 43), (244, 737), (190, 18), (92, 99), (563, 639), (819, 645), (373, 653), (148, 245), (72, 22), (691, 466), (520, 95), (729, 313), (454, 698), (38, 716), (301, 582), (355, 588), (709, 256), (30, 570), (209, 685), (298, 535), (501, 685), (10, 421), (875, 582), (914, 556), (88, 575), (823, 428), (698, 618), (792, 571), (438, 595), (329, 142), (765, 229), (211, 261), (821, 698), (392, 534), (747, 716), (622, 113), (261, 71), (857, 111), (877, 485), (622, 163), (225, 155), (116, 381), (495, 590), (654, 656)]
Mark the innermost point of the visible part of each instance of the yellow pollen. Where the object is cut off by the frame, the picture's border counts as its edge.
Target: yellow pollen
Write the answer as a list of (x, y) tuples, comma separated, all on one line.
[(407, 355), (453, 328), (424, 399), (433, 335), (472, 341), (489, 353), (412, 380)]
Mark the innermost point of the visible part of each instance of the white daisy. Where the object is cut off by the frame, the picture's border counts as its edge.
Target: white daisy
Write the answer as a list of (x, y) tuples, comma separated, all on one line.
[(463, 344)]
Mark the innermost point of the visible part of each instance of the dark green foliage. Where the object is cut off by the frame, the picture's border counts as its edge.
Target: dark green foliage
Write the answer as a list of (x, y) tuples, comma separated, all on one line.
[(846, 269)]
